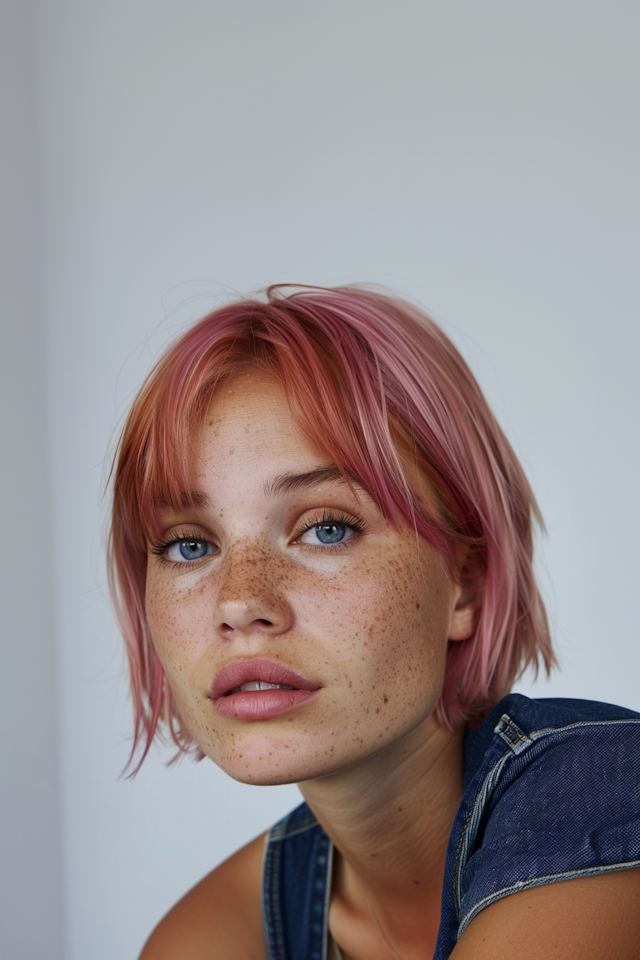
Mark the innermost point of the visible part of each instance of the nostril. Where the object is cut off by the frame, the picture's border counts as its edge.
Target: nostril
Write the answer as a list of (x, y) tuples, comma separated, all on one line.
[(261, 621)]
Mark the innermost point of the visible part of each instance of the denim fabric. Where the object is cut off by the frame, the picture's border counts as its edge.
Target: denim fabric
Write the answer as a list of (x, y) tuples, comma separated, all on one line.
[(296, 884), (552, 791)]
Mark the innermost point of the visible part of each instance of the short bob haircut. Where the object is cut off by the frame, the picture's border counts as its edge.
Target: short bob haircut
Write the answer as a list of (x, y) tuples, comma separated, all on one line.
[(370, 380)]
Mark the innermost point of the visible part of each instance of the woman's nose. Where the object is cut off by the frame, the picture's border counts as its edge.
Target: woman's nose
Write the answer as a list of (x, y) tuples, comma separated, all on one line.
[(250, 597)]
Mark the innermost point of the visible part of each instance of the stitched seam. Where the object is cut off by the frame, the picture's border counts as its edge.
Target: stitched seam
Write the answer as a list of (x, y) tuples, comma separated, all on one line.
[(521, 741), (540, 881), (463, 842), (276, 925), (283, 832), (327, 900), (264, 897), (547, 731)]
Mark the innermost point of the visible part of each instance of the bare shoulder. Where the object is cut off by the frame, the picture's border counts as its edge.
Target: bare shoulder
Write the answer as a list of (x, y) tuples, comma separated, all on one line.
[(219, 918), (580, 919)]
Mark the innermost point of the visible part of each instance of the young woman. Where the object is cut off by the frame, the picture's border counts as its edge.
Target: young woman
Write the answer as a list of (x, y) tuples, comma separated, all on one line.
[(321, 554)]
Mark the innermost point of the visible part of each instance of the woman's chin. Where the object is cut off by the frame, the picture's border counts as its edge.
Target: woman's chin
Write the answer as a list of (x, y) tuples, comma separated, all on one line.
[(262, 778), (262, 773), (270, 765)]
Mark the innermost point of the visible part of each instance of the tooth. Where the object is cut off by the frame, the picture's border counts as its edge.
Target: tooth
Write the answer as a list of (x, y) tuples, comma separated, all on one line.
[(260, 685)]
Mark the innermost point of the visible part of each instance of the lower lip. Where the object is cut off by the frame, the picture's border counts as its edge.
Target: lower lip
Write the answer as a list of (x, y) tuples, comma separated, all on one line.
[(261, 704)]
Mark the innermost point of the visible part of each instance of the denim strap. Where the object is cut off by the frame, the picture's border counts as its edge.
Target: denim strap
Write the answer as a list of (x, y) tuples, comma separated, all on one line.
[(296, 889)]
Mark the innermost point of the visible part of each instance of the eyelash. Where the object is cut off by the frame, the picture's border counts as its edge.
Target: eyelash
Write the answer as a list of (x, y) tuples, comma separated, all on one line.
[(353, 523), (357, 525), (160, 547)]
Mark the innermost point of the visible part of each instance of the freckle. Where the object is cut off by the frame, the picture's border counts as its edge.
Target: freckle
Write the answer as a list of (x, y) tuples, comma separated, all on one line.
[(417, 883)]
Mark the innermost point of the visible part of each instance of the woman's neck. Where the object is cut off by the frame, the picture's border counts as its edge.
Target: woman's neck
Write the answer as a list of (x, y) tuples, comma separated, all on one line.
[(390, 819)]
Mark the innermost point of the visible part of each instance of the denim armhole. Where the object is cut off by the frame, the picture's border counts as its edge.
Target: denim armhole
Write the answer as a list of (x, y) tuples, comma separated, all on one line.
[(556, 795)]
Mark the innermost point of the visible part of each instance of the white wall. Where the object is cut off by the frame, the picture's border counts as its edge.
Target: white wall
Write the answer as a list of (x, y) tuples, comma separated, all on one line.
[(30, 861), (480, 157)]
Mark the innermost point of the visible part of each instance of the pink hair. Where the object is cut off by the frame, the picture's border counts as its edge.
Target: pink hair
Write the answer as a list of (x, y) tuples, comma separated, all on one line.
[(366, 375)]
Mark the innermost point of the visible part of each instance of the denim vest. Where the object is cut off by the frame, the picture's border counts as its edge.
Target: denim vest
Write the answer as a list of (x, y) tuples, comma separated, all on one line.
[(551, 792)]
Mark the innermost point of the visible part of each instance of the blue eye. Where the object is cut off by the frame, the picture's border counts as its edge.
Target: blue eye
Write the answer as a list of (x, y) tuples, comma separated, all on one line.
[(185, 550), (330, 532)]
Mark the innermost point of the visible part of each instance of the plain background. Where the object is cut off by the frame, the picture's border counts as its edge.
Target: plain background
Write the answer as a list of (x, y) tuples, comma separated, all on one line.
[(481, 157)]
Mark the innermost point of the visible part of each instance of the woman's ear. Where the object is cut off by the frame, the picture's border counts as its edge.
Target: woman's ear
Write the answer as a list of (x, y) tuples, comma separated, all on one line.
[(470, 588), (464, 619)]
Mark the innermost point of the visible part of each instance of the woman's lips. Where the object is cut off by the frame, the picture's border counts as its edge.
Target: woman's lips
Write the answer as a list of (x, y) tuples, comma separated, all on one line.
[(287, 689), (262, 704)]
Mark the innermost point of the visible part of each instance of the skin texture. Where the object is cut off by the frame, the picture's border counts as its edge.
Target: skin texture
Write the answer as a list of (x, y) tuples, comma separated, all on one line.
[(322, 610), (368, 622)]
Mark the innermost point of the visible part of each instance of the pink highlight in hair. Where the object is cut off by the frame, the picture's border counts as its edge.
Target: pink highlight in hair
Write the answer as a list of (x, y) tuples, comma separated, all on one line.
[(370, 380)]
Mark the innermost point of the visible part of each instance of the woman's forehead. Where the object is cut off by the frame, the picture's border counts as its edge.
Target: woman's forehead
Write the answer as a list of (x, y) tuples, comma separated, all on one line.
[(249, 423), (245, 390), (250, 418)]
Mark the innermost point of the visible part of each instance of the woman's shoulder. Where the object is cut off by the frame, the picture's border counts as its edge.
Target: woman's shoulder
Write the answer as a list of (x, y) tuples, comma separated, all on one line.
[(554, 759), (551, 795), (517, 722), (219, 917)]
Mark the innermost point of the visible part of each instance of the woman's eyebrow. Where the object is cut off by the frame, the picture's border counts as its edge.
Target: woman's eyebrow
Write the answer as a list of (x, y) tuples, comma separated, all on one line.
[(190, 499), (283, 483), (288, 482)]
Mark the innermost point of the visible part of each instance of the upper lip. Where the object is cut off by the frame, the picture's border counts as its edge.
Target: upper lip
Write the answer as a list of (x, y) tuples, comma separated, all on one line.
[(244, 671)]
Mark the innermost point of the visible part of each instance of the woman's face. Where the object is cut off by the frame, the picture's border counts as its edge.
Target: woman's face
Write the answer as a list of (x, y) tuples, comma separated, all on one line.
[(284, 576)]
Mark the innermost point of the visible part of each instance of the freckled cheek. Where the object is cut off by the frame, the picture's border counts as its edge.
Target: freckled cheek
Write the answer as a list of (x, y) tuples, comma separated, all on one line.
[(395, 628), (180, 627), (376, 616)]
